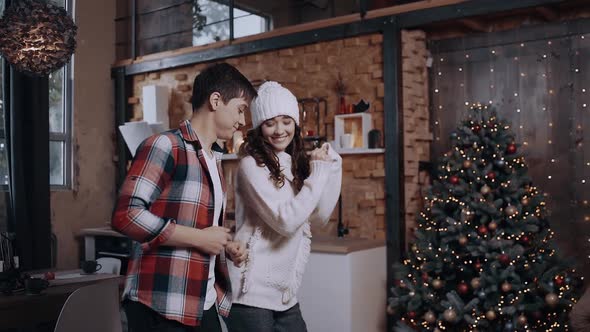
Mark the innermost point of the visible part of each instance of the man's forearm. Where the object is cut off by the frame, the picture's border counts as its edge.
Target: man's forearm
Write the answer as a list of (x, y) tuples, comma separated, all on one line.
[(183, 237)]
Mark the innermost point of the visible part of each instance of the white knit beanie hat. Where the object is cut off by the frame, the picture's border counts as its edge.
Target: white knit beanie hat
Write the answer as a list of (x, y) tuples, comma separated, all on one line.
[(273, 100)]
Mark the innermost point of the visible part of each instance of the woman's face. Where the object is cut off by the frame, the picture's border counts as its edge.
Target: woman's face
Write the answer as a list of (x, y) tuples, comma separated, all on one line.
[(278, 132)]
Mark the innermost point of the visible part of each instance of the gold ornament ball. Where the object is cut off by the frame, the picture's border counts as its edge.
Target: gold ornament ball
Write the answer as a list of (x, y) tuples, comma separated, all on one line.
[(491, 315), (437, 283), (525, 201), (475, 283), (467, 164), (450, 315), (437, 330), (506, 287), (463, 240), (551, 299), (492, 226), (430, 317), (521, 320), (485, 189), (510, 210)]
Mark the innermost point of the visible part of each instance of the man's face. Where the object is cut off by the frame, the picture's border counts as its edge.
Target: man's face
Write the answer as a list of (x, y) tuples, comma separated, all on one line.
[(230, 116)]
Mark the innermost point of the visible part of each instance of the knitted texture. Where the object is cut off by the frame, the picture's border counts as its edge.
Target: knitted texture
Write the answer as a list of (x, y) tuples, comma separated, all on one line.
[(273, 100)]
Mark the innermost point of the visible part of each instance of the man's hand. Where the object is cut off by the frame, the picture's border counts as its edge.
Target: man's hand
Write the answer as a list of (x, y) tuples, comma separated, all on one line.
[(237, 252), (212, 240)]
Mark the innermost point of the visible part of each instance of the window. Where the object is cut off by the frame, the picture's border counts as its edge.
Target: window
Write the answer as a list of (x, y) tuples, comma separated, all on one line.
[(4, 198), (211, 22), (60, 122)]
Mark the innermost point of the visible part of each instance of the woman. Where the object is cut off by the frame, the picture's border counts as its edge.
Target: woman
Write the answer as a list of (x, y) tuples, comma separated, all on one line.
[(280, 190)]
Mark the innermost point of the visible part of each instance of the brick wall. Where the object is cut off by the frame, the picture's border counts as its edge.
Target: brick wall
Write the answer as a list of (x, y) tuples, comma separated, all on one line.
[(417, 131), (312, 71)]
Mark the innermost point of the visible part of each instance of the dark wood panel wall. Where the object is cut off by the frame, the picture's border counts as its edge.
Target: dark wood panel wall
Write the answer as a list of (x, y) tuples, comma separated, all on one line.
[(538, 78)]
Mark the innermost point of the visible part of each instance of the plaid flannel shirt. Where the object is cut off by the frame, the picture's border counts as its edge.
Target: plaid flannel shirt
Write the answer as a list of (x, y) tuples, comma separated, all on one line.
[(169, 184)]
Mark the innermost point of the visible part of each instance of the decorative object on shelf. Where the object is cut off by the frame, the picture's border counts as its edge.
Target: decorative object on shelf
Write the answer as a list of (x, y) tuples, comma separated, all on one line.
[(155, 101), (313, 138), (340, 228), (361, 106), (340, 89), (10, 278), (374, 139), (37, 37), (356, 124), (346, 141), (237, 141)]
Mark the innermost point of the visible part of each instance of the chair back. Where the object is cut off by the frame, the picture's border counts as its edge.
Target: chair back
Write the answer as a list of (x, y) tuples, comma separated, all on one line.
[(92, 308)]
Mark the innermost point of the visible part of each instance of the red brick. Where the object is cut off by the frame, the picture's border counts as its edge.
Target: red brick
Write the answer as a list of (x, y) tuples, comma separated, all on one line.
[(366, 203), (286, 52), (184, 87)]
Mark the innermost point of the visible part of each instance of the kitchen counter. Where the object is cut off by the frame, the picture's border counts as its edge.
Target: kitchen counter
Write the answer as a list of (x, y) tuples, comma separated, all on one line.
[(342, 245)]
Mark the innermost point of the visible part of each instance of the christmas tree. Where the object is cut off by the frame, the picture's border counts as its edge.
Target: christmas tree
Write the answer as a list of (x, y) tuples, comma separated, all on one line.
[(483, 259)]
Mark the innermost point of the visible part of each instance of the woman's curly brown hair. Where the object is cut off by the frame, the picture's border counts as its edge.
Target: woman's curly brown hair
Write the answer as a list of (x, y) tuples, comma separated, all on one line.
[(256, 146)]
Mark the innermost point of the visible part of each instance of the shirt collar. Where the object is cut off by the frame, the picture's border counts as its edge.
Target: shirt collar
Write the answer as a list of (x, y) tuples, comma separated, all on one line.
[(189, 135)]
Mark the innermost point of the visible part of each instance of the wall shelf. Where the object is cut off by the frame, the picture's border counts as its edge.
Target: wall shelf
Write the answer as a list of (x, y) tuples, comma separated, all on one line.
[(233, 156), (229, 156), (359, 151)]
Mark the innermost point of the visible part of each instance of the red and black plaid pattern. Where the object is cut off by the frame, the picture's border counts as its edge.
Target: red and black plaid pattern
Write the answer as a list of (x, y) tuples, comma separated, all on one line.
[(169, 184)]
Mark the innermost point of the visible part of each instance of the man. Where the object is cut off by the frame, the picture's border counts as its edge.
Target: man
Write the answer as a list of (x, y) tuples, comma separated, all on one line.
[(171, 204)]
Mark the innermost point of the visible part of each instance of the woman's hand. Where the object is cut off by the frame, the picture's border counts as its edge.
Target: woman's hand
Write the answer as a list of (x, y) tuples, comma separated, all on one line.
[(237, 252), (320, 153)]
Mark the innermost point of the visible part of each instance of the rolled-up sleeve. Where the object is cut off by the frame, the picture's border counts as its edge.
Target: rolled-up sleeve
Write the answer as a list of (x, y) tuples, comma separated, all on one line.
[(150, 173)]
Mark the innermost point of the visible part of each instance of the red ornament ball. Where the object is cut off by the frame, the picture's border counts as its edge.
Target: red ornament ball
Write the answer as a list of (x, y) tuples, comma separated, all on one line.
[(477, 265), (454, 179), (525, 239), (483, 230), (511, 148), (411, 314), (424, 276), (462, 288), (476, 128), (559, 281), (504, 259), (491, 175)]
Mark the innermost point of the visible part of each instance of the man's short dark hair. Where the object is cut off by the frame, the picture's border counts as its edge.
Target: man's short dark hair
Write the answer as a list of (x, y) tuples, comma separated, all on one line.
[(225, 79)]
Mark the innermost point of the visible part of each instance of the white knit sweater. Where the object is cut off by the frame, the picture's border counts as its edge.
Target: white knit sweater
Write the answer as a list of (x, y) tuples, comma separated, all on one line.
[(275, 225)]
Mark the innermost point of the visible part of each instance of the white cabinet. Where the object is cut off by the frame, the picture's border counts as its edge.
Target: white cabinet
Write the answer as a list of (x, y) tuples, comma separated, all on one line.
[(344, 287)]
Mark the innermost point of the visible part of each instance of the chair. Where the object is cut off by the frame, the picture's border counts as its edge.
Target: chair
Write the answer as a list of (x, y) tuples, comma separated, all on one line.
[(92, 308), (109, 265)]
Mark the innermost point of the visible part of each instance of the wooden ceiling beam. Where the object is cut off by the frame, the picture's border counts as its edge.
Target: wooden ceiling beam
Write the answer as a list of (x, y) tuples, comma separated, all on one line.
[(547, 13), (474, 25)]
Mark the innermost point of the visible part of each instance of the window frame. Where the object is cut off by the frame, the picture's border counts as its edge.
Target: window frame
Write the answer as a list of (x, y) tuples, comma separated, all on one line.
[(66, 137), (231, 20)]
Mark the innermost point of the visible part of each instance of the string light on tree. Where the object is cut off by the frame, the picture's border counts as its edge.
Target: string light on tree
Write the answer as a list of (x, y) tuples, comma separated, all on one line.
[(480, 219)]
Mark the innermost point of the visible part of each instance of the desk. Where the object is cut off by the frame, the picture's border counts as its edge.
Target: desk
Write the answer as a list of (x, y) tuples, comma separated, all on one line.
[(25, 311)]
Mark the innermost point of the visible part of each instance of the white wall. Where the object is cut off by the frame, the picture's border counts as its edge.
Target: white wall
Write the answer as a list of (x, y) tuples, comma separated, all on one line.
[(90, 203)]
